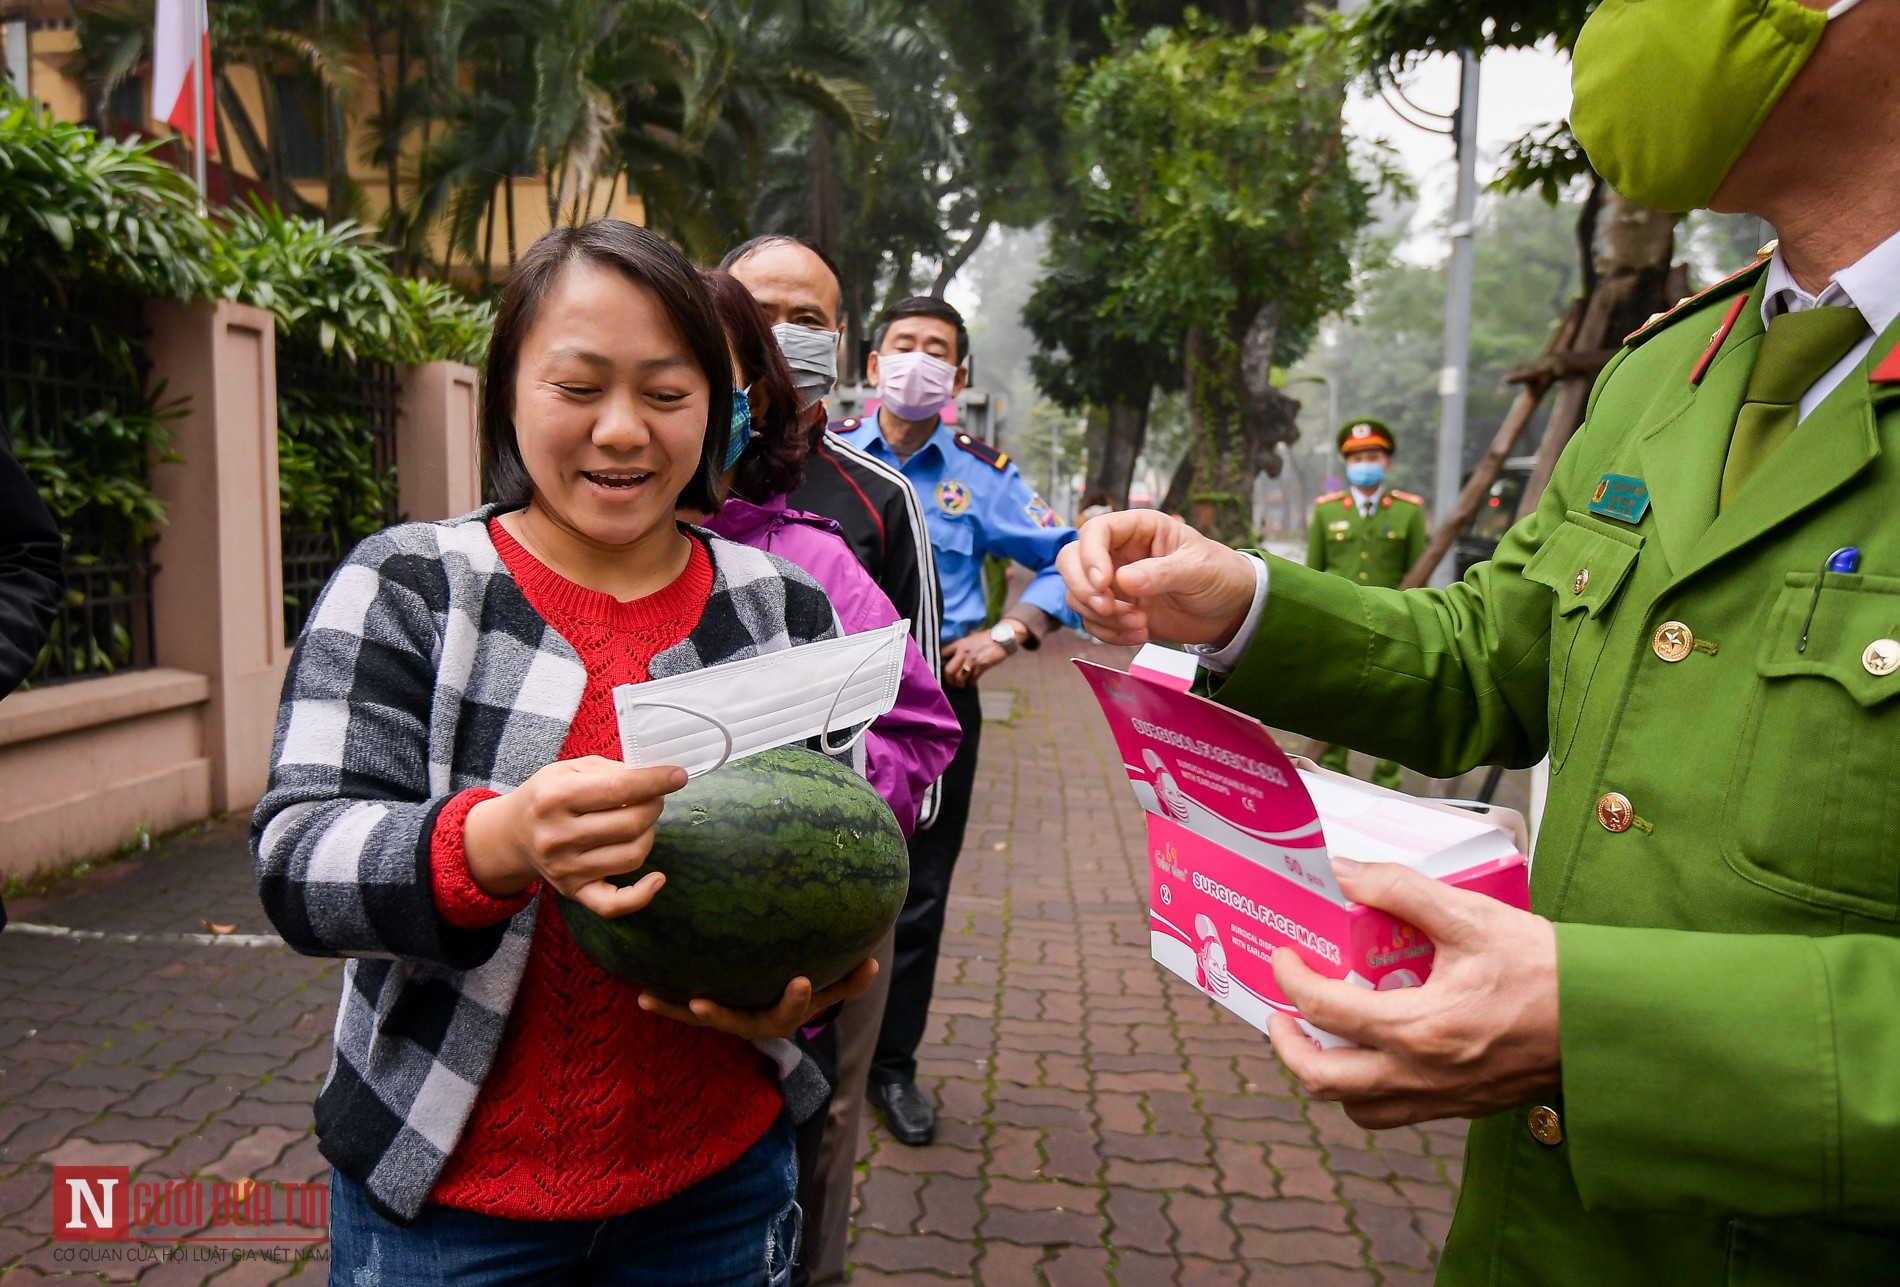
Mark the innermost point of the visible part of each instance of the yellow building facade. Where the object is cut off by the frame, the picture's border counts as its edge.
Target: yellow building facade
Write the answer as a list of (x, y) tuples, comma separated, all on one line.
[(41, 64)]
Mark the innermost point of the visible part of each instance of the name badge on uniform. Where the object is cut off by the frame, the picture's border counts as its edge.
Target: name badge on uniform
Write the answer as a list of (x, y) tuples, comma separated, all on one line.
[(1341, 526), (1620, 497)]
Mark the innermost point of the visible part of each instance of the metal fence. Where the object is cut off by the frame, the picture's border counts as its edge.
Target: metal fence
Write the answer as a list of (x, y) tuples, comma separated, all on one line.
[(66, 363), (365, 393)]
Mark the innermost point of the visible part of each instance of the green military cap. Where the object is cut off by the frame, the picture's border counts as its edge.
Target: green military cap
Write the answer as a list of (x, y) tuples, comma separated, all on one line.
[(1364, 434)]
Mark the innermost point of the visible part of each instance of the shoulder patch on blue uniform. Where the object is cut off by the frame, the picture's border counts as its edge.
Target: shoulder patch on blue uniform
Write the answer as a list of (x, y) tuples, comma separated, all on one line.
[(1040, 514), (844, 426), (981, 450)]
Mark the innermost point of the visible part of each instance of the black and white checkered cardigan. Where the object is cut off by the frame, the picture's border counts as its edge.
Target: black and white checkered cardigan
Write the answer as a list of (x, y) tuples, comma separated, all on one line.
[(424, 672)]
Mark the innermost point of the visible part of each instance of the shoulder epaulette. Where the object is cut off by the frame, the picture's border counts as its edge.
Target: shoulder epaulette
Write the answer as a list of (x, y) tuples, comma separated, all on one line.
[(1407, 497), (1742, 281), (844, 426), (982, 450), (1330, 497)]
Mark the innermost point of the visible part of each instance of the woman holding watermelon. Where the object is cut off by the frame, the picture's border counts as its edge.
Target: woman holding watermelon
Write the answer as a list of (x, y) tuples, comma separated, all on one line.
[(498, 1109)]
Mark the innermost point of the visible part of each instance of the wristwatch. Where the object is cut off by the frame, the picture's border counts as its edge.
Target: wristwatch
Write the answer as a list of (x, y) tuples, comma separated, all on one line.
[(1004, 634)]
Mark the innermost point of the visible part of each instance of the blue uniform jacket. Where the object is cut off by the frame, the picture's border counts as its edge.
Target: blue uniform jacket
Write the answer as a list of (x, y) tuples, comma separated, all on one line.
[(976, 504)]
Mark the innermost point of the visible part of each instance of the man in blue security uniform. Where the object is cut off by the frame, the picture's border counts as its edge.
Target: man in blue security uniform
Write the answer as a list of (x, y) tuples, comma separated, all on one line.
[(975, 504)]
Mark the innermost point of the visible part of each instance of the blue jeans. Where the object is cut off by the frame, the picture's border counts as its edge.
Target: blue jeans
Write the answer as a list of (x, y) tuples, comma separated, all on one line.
[(739, 1228)]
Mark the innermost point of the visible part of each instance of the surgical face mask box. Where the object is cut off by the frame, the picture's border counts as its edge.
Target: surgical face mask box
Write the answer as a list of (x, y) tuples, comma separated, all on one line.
[(1241, 838)]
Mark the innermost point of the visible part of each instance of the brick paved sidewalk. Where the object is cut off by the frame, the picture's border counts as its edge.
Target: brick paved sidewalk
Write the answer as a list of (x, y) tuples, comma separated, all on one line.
[(1102, 1122)]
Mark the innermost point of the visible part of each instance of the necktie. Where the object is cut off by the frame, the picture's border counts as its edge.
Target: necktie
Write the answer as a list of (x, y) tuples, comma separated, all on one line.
[(1797, 350)]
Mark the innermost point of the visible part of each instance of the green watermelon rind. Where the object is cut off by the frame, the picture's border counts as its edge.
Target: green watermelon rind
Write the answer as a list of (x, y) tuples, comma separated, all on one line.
[(825, 852)]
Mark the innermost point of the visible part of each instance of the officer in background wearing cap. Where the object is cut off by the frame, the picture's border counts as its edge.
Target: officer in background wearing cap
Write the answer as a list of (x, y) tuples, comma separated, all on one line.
[(1369, 534), (975, 504)]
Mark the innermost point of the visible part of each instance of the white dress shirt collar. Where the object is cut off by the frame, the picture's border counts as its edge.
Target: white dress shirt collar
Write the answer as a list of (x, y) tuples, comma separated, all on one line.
[(1363, 503), (1870, 284)]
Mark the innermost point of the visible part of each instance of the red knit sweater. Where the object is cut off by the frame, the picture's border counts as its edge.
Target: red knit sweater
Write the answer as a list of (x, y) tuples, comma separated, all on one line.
[(593, 1107)]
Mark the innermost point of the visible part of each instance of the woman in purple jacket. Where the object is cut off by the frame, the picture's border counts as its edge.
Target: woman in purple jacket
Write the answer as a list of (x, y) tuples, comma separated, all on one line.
[(909, 748)]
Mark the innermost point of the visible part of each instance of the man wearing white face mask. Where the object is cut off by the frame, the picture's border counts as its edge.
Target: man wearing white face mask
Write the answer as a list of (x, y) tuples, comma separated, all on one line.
[(976, 504)]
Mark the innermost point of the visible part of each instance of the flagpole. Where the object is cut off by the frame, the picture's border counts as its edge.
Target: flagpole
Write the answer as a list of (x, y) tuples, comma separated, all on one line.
[(200, 22)]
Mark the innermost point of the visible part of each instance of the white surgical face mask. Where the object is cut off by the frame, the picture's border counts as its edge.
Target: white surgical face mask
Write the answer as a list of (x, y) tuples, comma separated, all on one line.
[(813, 356), (709, 717)]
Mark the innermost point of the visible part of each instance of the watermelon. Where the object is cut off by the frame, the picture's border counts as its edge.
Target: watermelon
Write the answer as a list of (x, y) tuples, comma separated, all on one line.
[(782, 864)]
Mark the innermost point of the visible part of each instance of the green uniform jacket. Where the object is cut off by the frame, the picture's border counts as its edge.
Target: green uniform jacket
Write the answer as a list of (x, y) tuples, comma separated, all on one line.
[(1729, 966), (1372, 551)]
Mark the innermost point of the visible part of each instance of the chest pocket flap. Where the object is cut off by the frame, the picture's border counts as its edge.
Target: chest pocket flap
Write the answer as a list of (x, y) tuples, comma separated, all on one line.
[(1584, 562), (1852, 615), (952, 534)]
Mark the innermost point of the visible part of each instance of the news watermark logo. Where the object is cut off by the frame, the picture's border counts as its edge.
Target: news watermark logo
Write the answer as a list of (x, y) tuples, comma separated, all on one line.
[(91, 1203), (153, 1217)]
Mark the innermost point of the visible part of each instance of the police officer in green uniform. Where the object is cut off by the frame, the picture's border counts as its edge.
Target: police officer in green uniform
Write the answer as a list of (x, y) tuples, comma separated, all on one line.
[(1684, 1062), (1368, 533)]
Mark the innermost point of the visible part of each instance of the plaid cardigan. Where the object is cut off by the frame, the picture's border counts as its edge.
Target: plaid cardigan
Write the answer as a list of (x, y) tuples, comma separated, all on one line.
[(424, 672)]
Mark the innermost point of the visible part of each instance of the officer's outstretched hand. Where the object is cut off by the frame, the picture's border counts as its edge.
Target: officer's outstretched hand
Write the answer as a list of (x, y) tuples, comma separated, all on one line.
[(1478, 1036), (1138, 575)]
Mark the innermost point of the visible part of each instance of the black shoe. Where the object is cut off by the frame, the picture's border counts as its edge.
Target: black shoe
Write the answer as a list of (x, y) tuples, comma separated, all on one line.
[(907, 1112)]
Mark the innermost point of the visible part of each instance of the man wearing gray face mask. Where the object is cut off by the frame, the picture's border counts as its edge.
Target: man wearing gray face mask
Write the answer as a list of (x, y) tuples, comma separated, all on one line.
[(798, 288)]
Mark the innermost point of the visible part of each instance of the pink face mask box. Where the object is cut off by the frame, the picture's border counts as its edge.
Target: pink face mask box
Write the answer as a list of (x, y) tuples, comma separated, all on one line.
[(1241, 838)]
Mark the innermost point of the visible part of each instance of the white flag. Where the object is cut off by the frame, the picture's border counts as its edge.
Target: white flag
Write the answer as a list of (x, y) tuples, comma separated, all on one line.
[(180, 27)]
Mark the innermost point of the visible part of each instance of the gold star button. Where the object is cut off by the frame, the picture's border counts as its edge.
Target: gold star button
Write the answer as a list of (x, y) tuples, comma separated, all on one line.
[(1365, 576), (1882, 657), (1615, 812), (1546, 1127), (1582, 582), (1673, 641)]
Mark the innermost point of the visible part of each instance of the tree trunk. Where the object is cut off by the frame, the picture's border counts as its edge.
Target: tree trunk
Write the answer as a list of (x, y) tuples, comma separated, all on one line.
[(825, 220), (231, 107), (274, 123), (1243, 419), (1175, 498), (1116, 435), (488, 246), (508, 198), (1631, 268), (959, 257), (395, 220)]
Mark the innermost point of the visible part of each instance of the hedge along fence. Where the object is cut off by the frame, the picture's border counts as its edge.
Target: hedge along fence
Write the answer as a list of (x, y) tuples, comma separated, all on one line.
[(91, 226), (343, 321)]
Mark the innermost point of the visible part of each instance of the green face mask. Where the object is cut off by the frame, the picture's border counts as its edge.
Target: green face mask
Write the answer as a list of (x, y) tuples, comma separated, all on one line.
[(1669, 93)]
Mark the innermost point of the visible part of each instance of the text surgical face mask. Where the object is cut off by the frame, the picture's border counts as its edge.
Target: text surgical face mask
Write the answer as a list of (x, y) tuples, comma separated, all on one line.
[(914, 385), (741, 432), (710, 717), (1668, 94), (1365, 474), (813, 356)]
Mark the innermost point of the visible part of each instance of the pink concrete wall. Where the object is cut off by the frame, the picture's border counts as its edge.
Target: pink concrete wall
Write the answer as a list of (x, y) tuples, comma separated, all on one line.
[(219, 594), (85, 767), (436, 460)]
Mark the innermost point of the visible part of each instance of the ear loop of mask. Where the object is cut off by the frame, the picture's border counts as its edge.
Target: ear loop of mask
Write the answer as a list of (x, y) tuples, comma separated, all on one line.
[(719, 724), (1840, 7), (824, 734)]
